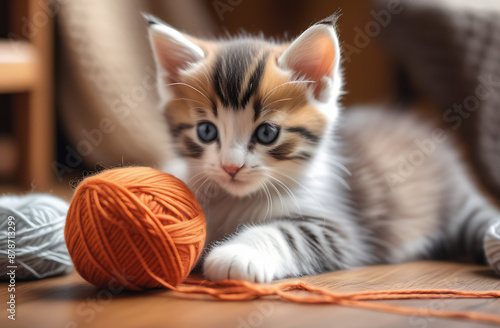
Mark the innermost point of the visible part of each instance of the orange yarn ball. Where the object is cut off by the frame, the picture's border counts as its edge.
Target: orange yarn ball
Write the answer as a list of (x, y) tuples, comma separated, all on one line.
[(134, 227)]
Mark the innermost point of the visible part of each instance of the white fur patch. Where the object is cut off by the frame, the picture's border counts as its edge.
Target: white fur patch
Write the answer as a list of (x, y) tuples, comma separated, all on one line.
[(240, 262)]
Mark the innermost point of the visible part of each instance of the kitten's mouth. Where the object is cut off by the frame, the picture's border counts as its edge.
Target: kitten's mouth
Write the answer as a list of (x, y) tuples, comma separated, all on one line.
[(236, 181), (238, 186)]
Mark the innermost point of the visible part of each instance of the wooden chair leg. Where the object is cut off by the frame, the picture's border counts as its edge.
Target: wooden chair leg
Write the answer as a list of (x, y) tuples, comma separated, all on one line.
[(35, 119)]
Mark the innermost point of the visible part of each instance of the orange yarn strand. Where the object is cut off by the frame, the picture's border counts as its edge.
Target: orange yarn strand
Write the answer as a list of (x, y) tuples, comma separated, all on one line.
[(141, 228), (241, 290)]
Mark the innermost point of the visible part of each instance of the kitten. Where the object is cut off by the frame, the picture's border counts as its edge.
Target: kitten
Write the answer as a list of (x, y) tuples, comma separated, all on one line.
[(256, 128)]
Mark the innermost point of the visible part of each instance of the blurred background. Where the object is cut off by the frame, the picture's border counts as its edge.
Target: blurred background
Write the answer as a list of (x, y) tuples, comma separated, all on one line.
[(77, 89)]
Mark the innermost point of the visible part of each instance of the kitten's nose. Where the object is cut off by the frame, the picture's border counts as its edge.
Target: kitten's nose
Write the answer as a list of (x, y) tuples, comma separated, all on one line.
[(231, 169)]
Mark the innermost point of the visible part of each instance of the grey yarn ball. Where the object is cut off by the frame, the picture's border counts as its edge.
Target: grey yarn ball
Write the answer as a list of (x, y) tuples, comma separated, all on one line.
[(40, 249)]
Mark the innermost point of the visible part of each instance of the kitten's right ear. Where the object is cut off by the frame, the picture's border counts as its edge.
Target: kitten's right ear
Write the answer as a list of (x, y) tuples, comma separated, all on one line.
[(173, 51), (315, 56)]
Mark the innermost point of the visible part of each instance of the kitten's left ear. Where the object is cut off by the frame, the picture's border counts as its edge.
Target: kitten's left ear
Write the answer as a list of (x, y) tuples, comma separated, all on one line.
[(315, 55), (173, 50)]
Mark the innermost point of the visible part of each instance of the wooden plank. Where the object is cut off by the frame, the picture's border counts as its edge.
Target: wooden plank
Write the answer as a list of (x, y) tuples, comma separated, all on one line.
[(42, 125), (69, 301), (35, 119)]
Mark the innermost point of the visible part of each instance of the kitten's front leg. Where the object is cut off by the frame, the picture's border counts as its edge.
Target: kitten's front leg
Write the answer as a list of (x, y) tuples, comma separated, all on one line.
[(240, 261), (279, 249)]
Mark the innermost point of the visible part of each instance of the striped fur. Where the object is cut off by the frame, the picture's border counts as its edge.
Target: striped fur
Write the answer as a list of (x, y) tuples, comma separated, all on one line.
[(293, 208)]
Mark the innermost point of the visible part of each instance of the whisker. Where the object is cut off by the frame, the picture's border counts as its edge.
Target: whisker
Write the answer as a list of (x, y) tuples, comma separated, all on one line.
[(209, 187), (289, 191), (197, 189), (260, 195), (281, 85), (273, 102), (208, 179), (195, 185), (279, 196), (194, 176), (189, 99), (206, 73), (342, 167), (264, 193), (198, 80), (190, 86), (263, 113), (311, 194), (271, 207), (342, 181), (269, 200)]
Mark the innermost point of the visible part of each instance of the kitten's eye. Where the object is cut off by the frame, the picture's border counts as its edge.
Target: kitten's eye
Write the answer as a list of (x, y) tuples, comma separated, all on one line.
[(207, 132), (266, 133)]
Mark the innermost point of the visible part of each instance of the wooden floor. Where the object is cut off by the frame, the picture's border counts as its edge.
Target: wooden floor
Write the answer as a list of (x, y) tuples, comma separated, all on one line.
[(70, 302)]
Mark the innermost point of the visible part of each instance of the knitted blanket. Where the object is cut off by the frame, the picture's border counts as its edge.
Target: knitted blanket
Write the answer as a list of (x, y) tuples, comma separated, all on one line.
[(450, 49)]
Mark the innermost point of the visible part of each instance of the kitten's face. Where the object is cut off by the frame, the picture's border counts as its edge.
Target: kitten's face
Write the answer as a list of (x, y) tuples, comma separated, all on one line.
[(245, 113)]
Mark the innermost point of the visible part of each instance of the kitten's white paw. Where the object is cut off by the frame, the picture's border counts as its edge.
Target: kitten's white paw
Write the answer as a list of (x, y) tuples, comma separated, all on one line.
[(240, 262), (492, 246)]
